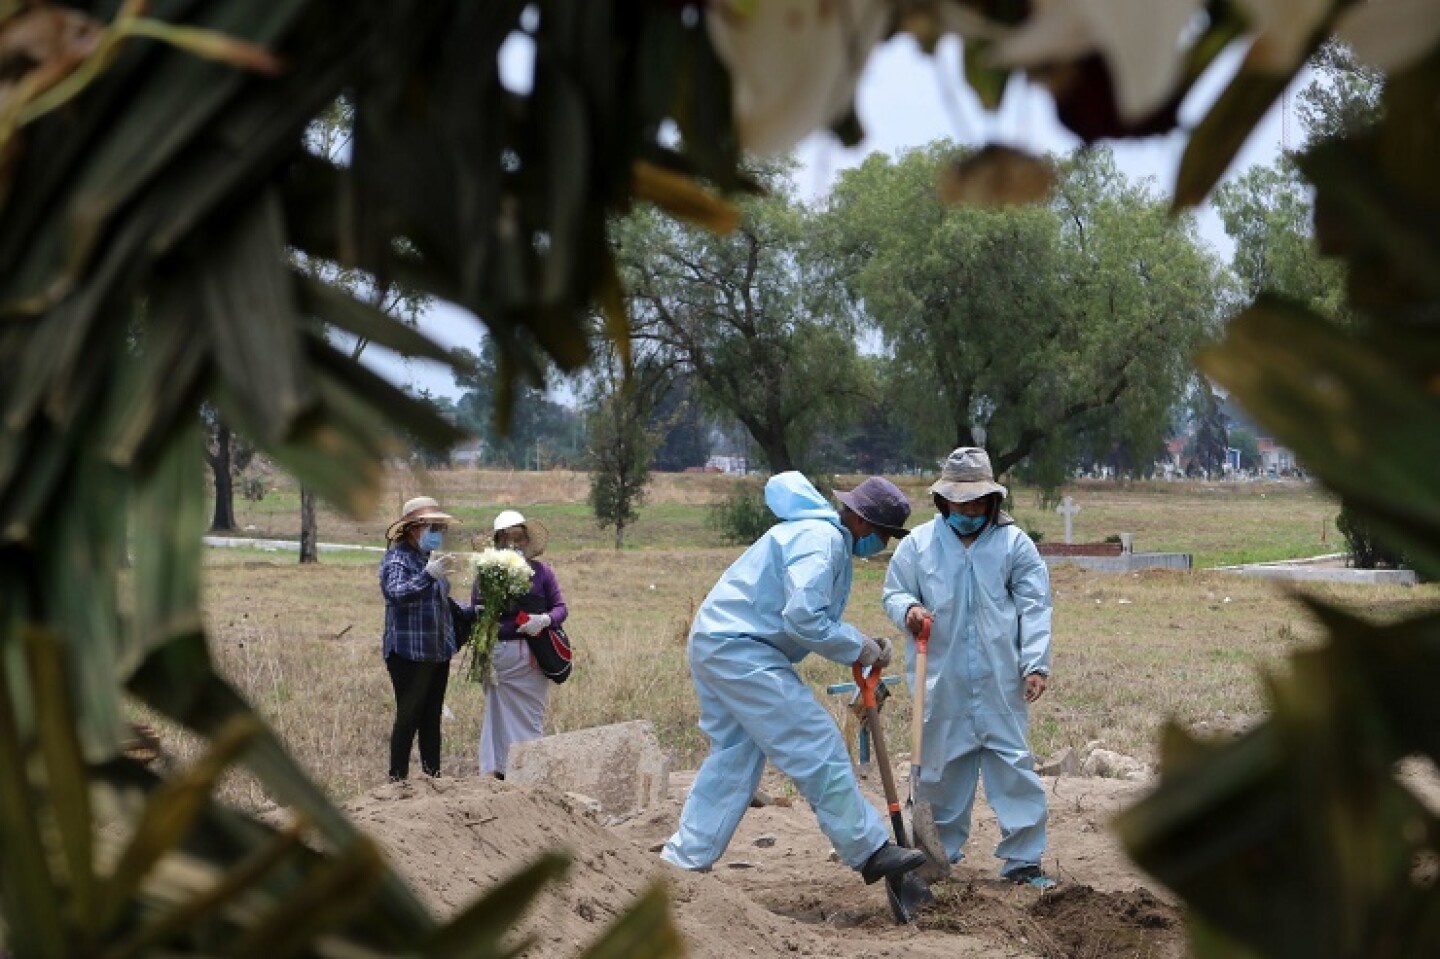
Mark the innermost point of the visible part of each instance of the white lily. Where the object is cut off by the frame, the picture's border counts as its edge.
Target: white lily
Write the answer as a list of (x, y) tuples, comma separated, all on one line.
[(1139, 39), (793, 64), (1390, 34)]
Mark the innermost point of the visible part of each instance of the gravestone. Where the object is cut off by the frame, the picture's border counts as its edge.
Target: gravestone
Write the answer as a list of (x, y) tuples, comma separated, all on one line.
[(1068, 508), (622, 767)]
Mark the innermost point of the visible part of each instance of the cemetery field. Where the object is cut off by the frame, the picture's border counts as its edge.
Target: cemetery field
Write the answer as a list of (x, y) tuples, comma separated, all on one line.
[(1130, 650), (1218, 523)]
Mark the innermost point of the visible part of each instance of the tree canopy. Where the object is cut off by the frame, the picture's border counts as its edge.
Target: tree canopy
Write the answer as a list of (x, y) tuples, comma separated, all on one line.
[(748, 315), (1045, 330)]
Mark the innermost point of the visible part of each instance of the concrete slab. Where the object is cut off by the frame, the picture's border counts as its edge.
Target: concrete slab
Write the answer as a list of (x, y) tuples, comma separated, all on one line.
[(622, 766), (1330, 574), (1125, 562)]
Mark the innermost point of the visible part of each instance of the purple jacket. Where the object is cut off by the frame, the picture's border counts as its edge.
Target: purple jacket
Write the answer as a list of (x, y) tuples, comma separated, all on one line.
[(544, 597)]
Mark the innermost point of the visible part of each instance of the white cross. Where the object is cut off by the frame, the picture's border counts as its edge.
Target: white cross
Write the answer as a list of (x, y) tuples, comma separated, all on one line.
[(1068, 509)]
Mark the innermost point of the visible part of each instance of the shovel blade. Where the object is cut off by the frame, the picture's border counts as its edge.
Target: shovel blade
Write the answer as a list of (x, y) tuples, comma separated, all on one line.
[(907, 895), (927, 839)]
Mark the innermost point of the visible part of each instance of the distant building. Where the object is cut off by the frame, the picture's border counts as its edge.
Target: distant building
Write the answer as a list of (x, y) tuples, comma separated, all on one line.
[(469, 453), (737, 465), (1275, 458)]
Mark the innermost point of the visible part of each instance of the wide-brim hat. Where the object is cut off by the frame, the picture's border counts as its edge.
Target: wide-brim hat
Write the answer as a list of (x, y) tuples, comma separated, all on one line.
[(421, 509), (880, 503), (967, 475), (539, 535)]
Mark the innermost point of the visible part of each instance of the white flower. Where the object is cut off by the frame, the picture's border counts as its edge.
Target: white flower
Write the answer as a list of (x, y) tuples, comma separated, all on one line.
[(793, 63), (1392, 34), (1139, 39)]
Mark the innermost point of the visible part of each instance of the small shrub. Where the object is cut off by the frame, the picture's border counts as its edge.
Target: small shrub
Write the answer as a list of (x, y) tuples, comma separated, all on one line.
[(252, 488), (742, 517), (1035, 535), (1113, 538), (1365, 549)]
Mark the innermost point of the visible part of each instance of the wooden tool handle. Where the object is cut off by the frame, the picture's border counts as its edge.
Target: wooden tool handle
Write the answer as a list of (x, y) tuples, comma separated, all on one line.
[(917, 721)]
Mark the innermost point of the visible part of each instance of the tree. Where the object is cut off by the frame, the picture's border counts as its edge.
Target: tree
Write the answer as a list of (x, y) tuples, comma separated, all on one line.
[(1053, 329), (538, 431), (621, 439), (1268, 212), (683, 429), (1344, 97), (749, 315), (1212, 437)]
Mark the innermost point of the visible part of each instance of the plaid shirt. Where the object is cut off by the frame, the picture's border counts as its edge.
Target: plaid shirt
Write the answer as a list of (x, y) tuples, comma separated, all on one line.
[(419, 623)]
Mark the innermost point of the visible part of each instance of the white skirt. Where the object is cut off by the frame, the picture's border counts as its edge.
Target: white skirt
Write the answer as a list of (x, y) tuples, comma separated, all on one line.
[(514, 704)]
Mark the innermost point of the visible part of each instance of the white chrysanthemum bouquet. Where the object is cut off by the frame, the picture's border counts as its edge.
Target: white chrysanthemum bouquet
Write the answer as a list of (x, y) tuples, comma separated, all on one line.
[(501, 577)]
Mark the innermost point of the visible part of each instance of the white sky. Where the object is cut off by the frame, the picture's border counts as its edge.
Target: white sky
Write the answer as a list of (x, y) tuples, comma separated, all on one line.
[(901, 105)]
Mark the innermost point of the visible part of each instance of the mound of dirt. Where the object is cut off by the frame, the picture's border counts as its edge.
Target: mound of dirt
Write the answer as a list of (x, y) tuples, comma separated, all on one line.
[(775, 893)]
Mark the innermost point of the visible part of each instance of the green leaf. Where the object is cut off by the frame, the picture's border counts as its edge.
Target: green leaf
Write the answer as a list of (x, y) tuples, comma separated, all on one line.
[(178, 681), (334, 890), (33, 923), (199, 907), (1386, 233), (987, 81), (478, 931), (170, 812), (645, 931), (336, 307), (1378, 440), (246, 297), (1219, 136), (65, 774)]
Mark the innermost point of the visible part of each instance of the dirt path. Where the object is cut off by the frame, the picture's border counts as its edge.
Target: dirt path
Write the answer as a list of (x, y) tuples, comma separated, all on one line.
[(775, 893)]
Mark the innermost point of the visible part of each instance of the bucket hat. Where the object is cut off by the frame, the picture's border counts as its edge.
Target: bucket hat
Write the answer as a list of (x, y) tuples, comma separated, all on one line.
[(967, 475), (539, 535), (880, 503), (421, 509)]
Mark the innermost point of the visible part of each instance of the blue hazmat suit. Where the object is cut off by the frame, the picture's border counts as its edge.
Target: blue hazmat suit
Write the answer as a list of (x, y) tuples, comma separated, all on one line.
[(779, 602), (991, 629)]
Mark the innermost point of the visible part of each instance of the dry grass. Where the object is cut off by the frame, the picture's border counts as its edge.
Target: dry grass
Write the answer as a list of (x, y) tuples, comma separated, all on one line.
[(1129, 650), (303, 642), (1219, 524)]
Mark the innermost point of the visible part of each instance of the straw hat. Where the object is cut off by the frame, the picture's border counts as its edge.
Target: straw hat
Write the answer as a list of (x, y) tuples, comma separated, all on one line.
[(967, 475), (421, 509), (539, 535)]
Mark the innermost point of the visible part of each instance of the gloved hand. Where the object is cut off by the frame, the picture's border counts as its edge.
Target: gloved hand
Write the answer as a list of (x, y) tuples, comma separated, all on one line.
[(440, 567), (534, 625), (876, 652)]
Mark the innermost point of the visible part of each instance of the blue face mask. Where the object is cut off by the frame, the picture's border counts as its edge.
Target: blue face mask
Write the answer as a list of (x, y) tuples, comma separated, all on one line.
[(868, 545), (430, 540), (966, 525)]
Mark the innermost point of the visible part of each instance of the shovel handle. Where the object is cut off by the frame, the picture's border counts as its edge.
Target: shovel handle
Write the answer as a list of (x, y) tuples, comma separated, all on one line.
[(917, 721)]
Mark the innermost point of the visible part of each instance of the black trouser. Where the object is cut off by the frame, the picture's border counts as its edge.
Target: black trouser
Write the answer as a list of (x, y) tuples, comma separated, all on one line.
[(419, 701)]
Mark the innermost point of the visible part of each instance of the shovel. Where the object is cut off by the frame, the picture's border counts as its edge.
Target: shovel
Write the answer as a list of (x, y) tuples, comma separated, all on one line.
[(922, 817), (907, 892)]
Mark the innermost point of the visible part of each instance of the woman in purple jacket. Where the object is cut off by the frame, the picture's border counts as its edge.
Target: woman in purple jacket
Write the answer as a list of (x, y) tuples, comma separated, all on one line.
[(518, 692)]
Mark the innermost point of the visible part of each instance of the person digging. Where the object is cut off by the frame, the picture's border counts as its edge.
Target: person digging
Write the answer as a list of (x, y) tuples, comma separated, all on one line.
[(779, 602), (979, 583)]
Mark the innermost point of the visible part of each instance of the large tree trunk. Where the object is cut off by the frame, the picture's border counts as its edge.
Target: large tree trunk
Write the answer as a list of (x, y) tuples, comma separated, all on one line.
[(309, 533), (619, 535), (224, 518), (776, 450)]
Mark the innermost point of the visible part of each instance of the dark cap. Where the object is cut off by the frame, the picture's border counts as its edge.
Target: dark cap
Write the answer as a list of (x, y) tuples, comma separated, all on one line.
[(880, 503)]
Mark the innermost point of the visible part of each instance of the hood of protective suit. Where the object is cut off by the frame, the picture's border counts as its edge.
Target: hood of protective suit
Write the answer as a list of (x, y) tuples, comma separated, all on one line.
[(791, 496)]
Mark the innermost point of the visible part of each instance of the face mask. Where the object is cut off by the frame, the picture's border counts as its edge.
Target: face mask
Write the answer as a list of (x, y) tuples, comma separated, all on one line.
[(868, 545), (966, 525), (430, 540)]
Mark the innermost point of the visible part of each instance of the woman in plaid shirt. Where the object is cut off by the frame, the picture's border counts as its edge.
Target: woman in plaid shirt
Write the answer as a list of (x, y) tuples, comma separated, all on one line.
[(421, 621)]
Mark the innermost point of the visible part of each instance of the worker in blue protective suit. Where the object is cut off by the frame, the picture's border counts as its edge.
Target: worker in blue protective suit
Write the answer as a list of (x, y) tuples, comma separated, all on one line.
[(983, 585), (779, 602)]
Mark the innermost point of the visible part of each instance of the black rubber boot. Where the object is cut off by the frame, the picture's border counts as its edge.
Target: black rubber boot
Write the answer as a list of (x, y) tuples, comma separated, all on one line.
[(890, 860)]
